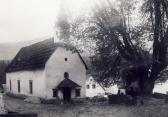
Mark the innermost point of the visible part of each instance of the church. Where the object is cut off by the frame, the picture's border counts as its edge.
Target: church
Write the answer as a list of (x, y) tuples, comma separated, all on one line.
[(47, 70)]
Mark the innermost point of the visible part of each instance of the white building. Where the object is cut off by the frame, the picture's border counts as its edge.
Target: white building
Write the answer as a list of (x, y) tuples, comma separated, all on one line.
[(47, 70), (95, 89), (161, 88)]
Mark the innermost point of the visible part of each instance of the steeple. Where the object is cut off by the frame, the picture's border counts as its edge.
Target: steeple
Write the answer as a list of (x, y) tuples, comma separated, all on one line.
[(62, 26)]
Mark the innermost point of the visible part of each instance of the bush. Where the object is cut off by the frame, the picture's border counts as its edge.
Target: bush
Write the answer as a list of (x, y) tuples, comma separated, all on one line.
[(20, 96), (121, 99), (98, 99), (160, 96), (87, 98)]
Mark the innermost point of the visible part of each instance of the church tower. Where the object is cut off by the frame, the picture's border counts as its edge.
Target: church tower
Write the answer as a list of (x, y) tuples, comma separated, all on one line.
[(62, 26)]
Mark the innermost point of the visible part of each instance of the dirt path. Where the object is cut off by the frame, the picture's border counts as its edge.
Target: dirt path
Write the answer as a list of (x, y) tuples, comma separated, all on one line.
[(87, 110)]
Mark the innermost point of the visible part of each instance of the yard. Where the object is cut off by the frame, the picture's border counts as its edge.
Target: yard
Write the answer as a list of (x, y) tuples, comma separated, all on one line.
[(154, 108)]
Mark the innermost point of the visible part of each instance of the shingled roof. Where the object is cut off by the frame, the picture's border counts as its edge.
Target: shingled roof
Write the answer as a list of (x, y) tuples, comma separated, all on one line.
[(68, 83), (36, 55)]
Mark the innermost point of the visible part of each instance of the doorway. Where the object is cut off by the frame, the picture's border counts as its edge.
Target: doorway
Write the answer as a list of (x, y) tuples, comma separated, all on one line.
[(67, 94)]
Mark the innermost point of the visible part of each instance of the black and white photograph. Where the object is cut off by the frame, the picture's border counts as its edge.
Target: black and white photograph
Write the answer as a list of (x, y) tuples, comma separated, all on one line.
[(83, 58)]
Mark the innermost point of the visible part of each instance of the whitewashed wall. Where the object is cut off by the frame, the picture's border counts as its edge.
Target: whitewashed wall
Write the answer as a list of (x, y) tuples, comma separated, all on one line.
[(98, 90), (161, 88), (37, 77), (56, 66)]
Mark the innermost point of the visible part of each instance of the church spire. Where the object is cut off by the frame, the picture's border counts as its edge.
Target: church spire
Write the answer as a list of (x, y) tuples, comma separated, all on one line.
[(62, 25)]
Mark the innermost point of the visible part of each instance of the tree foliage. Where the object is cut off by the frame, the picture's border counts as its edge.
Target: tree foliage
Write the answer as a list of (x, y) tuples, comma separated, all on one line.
[(117, 40)]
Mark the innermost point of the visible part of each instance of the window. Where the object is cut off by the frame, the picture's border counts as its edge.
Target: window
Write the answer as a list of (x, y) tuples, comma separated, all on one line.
[(87, 86), (66, 75), (66, 59), (93, 86), (10, 85), (18, 86), (55, 93), (31, 86), (77, 92)]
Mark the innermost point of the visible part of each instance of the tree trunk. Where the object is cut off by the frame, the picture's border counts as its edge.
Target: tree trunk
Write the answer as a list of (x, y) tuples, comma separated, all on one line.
[(147, 87), (146, 83)]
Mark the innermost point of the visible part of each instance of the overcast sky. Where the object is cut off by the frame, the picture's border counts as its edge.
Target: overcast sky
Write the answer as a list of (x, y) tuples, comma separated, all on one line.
[(22, 20)]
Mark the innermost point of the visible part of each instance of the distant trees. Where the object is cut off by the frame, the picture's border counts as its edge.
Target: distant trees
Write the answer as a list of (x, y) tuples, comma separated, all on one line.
[(3, 65)]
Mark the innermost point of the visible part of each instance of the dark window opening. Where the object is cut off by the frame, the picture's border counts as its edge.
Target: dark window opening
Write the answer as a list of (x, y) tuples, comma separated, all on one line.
[(19, 86), (77, 92), (66, 59), (87, 86), (10, 85), (66, 75), (55, 93), (93, 86), (31, 86)]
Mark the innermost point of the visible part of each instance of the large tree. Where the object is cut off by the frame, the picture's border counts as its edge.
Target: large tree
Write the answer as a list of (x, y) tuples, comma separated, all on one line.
[(157, 11), (112, 32)]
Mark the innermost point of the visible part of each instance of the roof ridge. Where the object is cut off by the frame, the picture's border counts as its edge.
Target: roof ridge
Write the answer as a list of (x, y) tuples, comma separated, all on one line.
[(33, 56), (36, 55), (49, 40)]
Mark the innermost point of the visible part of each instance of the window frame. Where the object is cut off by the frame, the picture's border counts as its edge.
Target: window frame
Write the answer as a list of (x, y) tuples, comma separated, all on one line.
[(10, 85), (66, 59), (18, 82), (66, 75), (77, 92), (55, 94), (87, 86), (93, 86), (31, 86)]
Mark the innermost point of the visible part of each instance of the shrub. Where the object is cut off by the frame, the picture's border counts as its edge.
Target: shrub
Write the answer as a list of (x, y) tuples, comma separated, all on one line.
[(160, 96), (121, 99), (102, 99), (87, 98), (98, 99)]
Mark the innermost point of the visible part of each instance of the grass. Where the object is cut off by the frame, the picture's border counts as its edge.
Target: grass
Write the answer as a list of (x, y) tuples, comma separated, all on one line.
[(151, 108)]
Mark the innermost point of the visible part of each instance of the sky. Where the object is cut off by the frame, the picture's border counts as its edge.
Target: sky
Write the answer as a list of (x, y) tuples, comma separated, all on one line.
[(22, 20)]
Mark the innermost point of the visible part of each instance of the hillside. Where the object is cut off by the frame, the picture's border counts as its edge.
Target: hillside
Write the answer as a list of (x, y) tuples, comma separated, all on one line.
[(9, 50)]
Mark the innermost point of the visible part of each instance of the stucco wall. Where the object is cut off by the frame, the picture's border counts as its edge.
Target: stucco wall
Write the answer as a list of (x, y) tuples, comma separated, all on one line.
[(57, 66), (24, 76), (98, 90), (161, 88)]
